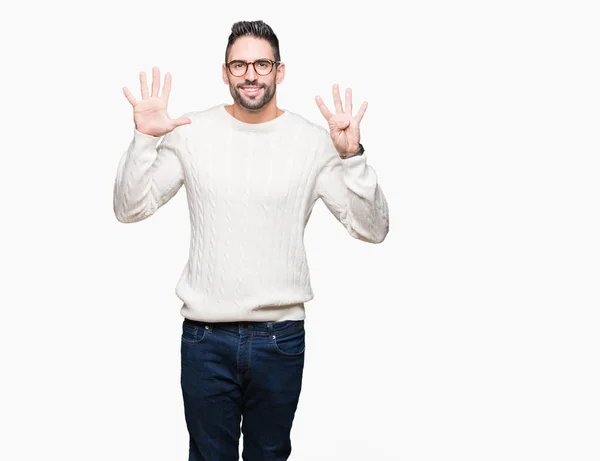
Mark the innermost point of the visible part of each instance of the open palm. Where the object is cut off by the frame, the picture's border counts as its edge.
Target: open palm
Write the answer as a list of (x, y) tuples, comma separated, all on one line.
[(150, 113), (343, 127)]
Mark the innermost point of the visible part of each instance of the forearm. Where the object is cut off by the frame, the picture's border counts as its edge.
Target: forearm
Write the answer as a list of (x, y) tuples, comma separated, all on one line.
[(349, 188), (367, 215), (148, 175)]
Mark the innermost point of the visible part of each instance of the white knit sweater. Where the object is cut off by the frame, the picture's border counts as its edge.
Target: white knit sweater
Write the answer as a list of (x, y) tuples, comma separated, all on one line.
[(251, 189)]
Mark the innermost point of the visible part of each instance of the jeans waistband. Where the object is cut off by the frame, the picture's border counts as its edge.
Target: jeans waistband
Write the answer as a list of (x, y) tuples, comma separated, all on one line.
[(260, 328)]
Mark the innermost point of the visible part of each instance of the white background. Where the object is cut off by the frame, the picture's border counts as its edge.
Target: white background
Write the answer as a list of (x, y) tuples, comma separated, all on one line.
[(470, 334)]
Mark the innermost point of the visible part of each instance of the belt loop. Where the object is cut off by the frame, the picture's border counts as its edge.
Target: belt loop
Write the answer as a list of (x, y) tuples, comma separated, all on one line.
[(270, 329)]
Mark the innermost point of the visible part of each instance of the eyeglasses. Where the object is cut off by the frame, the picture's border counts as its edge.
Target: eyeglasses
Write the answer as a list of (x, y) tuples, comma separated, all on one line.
[(261, 67)]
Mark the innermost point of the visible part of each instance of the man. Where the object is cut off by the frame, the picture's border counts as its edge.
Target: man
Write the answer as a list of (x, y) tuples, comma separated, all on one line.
[(252, 173)]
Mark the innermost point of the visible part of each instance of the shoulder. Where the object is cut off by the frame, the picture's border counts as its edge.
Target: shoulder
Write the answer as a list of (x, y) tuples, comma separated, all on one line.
[(306, 124), (316, 138), (200, 119), (202, 116), (311, 132)]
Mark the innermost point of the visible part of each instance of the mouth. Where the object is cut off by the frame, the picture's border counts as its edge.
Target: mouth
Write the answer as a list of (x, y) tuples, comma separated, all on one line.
[(251, 90)]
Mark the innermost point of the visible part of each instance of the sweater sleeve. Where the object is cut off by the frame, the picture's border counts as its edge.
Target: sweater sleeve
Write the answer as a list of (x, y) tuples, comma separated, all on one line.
[(350, 190), (148, 176)]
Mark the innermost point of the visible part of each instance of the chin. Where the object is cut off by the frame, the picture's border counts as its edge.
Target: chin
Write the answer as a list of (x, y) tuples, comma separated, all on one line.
[(251, 105)]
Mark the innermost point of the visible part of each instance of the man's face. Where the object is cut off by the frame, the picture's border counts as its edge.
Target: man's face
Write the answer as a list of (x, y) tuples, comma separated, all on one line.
[(251, 90)]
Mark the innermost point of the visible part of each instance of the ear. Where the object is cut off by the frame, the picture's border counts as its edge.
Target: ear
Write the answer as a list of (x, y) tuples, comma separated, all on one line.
[(280, 73), (225, 76)]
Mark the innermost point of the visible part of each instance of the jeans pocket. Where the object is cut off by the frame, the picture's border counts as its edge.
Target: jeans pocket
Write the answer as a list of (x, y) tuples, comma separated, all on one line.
[(193, 333), (289, 342)]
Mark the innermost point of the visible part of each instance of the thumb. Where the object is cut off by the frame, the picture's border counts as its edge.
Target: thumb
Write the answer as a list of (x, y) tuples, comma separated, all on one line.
[(338, 125), (181, 121)]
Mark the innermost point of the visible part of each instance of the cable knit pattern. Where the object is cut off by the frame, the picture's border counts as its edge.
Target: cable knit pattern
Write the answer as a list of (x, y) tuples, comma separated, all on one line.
[(251, 189)]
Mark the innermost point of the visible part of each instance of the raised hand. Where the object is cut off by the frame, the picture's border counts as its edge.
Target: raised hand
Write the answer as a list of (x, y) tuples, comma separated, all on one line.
[(150, 112), (343, 127)]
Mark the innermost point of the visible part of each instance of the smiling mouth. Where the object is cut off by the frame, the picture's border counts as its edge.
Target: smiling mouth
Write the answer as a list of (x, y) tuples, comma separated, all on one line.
[(251, 89)]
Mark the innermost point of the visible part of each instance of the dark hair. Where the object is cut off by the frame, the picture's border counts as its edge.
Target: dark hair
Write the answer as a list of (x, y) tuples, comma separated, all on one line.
[(257, 29)]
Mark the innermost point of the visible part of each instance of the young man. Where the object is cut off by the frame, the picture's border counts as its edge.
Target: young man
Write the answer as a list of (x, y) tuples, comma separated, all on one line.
[(252, 173)]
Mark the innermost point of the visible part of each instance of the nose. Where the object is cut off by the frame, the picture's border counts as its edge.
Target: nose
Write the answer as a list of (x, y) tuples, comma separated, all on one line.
[(250, 72)]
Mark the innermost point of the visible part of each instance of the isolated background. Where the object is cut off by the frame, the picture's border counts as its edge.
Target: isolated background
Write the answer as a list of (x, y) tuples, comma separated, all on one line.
[(470, 334)]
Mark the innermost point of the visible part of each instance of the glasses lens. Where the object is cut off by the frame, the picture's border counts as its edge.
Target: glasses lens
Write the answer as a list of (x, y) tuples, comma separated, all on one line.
[(263, 67), (237, 68)]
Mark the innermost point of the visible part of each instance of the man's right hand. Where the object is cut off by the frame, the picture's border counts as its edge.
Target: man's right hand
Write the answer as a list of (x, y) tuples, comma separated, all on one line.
[(150, 113)]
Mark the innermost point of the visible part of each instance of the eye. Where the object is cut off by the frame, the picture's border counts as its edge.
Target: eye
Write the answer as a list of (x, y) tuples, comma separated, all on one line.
[(263, 64)]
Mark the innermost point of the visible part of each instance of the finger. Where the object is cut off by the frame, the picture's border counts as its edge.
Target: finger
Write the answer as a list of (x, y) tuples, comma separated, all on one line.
[(349, 101), (336, 98), (155, 81), (337, 126), (166, 87), (129, 96), (143, 85), (361, 111), (181, 121), (323, 108), (342, 124)]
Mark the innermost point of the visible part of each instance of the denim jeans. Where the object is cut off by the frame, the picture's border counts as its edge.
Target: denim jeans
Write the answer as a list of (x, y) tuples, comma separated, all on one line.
[(241, 376)]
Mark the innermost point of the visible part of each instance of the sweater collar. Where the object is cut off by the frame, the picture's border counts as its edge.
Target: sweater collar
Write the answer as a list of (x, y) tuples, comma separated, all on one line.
[(236, 124)]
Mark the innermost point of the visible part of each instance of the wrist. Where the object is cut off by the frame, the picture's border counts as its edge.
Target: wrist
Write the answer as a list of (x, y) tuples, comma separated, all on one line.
[(354, 152)]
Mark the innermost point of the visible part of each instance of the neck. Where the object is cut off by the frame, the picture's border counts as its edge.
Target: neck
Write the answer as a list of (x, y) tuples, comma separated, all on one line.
[(266, 114)]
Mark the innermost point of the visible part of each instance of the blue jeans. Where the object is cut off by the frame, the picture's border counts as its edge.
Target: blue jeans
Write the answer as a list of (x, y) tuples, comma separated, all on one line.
[(241, 371)]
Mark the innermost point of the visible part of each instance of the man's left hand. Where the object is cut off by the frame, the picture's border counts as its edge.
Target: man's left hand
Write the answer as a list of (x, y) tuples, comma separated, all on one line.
[(343, 127)]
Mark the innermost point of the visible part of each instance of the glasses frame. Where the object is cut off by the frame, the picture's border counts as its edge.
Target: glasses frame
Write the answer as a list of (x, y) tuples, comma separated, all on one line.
[(248, 63)]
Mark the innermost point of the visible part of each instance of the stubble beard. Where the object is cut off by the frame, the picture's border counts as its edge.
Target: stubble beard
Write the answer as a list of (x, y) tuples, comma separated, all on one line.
[(253, 103)]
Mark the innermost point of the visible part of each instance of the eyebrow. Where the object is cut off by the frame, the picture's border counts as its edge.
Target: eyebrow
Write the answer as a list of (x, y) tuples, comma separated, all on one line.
[(249, 60)]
